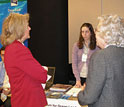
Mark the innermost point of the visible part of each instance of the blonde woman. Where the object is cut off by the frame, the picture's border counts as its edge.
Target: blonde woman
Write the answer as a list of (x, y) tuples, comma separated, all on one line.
[(25, 73), (104, 85)]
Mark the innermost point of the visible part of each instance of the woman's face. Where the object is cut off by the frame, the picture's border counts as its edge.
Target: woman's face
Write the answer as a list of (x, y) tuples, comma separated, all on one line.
[(27, 33), (99, 40), (86, 33)]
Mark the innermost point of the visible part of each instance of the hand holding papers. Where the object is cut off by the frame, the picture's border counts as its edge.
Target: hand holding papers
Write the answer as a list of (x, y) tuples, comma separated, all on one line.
[(45, 67), (48, 77)]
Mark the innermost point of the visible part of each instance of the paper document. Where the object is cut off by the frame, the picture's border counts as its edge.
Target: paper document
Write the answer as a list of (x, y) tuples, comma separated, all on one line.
[(62, 103), (73, 91), (48, 77), (60, 87)]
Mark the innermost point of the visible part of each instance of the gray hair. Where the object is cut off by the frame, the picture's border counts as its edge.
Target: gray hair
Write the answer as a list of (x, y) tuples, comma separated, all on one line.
[(111, 29)]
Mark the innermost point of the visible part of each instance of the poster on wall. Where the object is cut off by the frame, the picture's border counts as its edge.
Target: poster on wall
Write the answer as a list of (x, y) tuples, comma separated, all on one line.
[(11, 6)]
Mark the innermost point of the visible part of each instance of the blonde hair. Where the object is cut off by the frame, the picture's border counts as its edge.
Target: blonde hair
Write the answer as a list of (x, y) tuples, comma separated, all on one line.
[(13, 28), (111, 29)]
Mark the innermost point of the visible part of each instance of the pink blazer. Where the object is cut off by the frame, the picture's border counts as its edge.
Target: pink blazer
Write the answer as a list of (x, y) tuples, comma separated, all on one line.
[(25, 76)]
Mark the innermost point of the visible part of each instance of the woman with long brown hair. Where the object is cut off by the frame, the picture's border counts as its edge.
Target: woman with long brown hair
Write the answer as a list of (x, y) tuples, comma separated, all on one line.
[(82, 50)]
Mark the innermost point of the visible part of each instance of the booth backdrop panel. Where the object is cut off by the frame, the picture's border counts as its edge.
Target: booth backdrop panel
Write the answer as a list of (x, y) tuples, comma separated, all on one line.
[(49, 35)]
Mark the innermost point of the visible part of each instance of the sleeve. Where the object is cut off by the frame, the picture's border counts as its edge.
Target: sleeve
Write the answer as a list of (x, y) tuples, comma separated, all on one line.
[(28, 64), (95, 80), (75, 62), (2, 73)]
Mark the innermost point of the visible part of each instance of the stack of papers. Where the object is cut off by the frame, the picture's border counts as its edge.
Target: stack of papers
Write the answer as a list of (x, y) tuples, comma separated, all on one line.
[(60, 87), (73, 91), (56, 95), (62, 103)]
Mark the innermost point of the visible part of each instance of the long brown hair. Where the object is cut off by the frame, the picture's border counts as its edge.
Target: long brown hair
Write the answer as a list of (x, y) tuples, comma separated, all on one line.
[(92, 44)]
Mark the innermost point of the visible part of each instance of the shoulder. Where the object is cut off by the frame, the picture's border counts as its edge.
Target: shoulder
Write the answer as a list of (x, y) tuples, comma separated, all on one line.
[(113, 48), (15, 47), (98, 55), (75, 48), (75, 45), (94, 50), (97, 48), (15, 44)]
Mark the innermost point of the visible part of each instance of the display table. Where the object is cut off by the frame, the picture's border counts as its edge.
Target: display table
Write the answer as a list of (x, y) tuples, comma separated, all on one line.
[(60, 99), (62, 103)]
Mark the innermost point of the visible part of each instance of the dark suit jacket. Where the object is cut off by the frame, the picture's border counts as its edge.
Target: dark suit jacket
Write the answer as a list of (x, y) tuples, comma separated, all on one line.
[(105, 81), (25, 75)]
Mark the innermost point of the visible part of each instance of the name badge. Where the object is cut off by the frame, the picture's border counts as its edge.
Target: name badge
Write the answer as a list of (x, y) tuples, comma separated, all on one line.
[(84, 57)]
